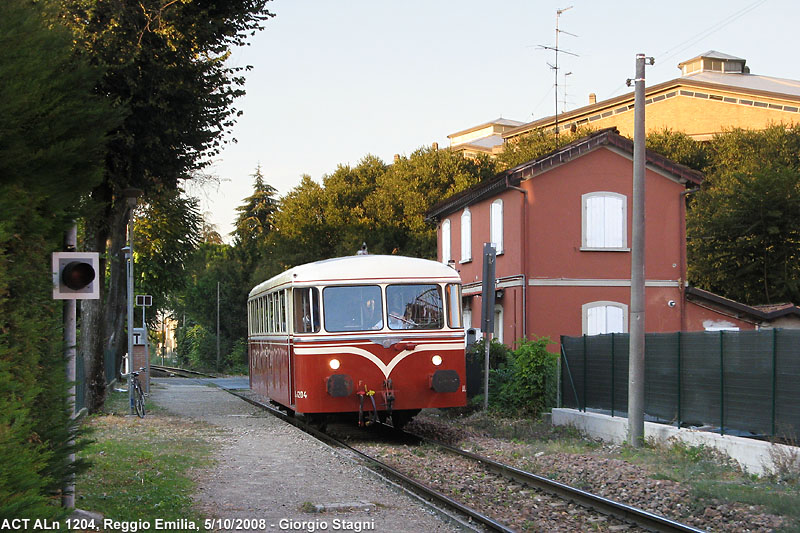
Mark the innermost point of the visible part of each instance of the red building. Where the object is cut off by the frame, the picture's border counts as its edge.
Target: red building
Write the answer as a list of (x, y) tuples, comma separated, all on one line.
[(561, 226)]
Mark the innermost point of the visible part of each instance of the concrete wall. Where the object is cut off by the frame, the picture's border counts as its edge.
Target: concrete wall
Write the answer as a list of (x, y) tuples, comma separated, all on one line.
[(754, 456)]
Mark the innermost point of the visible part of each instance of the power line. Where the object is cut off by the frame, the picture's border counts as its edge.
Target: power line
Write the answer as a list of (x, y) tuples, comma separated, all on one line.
[(691, 41)]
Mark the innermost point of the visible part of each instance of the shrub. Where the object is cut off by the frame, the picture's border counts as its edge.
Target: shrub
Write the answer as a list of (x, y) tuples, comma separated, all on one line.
[(527, 382)]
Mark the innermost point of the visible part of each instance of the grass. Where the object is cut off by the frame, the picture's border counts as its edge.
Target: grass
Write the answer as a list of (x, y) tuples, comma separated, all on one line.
[(141, 468)]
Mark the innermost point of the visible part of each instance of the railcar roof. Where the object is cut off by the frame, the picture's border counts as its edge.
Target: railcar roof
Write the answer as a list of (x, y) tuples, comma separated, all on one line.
[(363, 267)]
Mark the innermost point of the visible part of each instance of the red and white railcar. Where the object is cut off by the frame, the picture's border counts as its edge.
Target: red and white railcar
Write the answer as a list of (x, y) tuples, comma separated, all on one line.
[(373, 336)]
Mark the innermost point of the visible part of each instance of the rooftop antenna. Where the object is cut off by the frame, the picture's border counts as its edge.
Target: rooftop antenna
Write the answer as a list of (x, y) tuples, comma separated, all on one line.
[(554, 66)]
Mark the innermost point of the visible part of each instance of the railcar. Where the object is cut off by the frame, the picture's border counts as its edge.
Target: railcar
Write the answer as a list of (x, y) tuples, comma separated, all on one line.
[(367, 337)]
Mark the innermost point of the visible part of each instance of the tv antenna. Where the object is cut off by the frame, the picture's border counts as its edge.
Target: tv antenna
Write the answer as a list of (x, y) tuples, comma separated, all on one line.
[(554, 66)]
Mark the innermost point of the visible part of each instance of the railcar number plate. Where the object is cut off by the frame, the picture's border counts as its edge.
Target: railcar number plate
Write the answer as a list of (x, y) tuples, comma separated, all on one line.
[(300, 394)]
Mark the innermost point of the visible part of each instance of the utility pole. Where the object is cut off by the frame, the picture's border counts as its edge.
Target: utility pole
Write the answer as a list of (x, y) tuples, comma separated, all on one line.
[(636, 349), (70, 342), (487, 312), (131, 197)]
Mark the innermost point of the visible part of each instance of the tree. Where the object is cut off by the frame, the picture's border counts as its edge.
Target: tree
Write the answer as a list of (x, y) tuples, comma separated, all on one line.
[(680, 148), (302, 233), (742, 227), (163, 64), (214, 265), (255, 223), (536, 144), (167, 231), (53, 130), (346, 193), (410, 187)]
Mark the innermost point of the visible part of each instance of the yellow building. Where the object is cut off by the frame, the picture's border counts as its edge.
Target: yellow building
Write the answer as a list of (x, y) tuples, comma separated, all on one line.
[(483, 139), (715, 92)]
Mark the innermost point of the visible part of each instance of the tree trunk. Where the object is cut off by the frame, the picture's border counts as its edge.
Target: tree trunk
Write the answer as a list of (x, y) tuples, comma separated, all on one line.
[(103, 320)]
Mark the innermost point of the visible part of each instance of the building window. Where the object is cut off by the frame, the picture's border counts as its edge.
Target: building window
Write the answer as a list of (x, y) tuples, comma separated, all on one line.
[(604, 317), (466, 236), (497, 226), (605, 221), (446, 241)]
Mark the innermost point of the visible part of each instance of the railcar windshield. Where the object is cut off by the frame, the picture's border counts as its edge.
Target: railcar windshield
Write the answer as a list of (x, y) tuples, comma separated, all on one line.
[(414, 306), (353, 308)]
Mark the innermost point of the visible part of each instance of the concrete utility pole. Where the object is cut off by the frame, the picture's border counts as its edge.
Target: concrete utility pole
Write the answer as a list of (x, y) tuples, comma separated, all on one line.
[(70, 342), (636, 353)]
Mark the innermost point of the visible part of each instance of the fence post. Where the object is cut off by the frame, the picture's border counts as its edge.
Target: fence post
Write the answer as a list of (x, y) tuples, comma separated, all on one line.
[(679, 379), (774, 374), (721, 383), (584, 373), (612, 375)]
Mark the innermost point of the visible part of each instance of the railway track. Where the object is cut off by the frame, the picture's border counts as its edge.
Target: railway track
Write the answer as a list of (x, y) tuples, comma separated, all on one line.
[(599, 504), (596, 504)]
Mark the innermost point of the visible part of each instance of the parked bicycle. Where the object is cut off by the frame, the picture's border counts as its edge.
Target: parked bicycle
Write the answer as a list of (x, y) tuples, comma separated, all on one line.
[(138, 393)]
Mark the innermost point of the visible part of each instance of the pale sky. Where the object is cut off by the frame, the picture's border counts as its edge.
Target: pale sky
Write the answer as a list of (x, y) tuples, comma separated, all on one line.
[(335, 81)]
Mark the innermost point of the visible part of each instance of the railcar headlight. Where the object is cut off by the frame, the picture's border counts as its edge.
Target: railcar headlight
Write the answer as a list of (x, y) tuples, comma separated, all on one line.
[(334, 364), (436, 360)]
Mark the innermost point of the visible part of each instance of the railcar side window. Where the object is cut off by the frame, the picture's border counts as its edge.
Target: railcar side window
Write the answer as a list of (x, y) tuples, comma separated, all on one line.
[(282, 307), (306, 310), (353, 308), (415, 307), (453, 299)]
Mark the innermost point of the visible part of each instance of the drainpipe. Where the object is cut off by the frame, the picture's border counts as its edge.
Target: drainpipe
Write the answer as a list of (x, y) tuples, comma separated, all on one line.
[(683, 267), (524, 257)]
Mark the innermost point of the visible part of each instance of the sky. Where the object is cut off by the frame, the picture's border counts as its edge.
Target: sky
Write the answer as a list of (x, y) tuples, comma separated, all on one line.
[(332, 82)]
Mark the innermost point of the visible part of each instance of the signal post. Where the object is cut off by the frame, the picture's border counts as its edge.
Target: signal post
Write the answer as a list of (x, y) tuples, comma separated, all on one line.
[(74, 276)]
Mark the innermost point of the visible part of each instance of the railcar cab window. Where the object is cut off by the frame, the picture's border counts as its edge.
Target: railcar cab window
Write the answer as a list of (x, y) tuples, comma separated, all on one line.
[(414, 307), (306, 310), (353, 308)]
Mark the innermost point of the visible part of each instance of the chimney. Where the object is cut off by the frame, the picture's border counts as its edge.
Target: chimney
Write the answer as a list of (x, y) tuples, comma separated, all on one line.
[(592, 98), (396, 158), (435, 146)]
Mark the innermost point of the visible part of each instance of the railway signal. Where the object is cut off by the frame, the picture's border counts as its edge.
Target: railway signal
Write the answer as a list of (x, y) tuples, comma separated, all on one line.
[(75, 276)]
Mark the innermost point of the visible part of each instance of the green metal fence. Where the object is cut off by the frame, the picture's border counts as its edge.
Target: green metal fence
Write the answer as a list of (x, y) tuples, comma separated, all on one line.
[(735, 382), (80, 377)]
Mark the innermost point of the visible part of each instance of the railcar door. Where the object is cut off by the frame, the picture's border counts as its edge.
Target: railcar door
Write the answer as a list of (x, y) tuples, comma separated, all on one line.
[(305, 320)]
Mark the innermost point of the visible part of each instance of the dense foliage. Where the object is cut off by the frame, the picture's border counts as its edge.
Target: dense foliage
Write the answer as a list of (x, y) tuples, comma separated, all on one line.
[(743, 224), (52, 135), (522, 382), (537, 144)]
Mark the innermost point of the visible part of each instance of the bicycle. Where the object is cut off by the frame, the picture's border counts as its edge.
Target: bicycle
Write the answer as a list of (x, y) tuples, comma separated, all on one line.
[(138, 393)]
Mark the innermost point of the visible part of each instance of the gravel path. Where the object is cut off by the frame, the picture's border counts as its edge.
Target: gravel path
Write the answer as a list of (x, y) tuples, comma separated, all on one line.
[(270, 475)]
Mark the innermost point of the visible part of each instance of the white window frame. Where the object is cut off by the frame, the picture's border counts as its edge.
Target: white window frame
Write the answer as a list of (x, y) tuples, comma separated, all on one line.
[(620, 225), (466, 236), (585, 309), (498, 323), (496, 226), (446, 249)]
